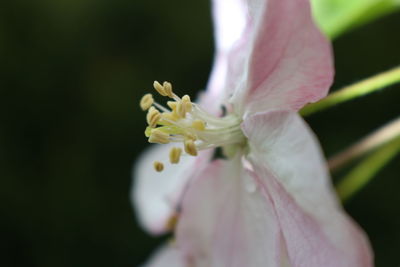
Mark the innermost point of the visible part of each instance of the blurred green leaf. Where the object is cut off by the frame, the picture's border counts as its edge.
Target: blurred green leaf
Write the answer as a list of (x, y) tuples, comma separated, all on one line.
[(335, 17)]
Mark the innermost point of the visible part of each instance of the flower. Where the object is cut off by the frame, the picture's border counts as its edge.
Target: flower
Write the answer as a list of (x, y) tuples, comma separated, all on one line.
[(270, 202)]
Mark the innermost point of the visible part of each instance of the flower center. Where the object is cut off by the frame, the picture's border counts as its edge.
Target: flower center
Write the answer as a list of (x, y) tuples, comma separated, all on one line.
[(187, 123)]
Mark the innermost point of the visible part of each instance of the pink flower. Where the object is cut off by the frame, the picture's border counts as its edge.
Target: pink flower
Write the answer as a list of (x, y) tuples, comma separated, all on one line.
[(271, 202)]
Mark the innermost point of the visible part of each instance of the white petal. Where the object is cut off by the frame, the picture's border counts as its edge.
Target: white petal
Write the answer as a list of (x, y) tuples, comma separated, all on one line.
[(167, 256), (227, 220), (156, 195), (213, 98), (231, 32), (281, 142), (230, 19)]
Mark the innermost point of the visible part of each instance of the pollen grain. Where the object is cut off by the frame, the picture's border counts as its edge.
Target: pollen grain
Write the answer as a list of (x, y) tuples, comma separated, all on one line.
[(158, 166), (175, 155)]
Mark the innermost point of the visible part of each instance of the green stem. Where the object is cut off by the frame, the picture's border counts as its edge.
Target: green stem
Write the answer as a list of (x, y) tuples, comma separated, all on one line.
[(367, 169), (378, 138), (364, 87)]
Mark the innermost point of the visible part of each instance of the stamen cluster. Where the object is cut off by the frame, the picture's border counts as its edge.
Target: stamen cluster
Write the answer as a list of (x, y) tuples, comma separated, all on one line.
[(185, 122)]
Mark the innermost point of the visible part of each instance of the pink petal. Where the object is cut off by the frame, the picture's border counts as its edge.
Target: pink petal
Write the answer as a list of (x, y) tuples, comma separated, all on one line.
[(288, 159), (155, 195), (275, 56), (167, 256), (336, 242), (291, 62), (227, 221)]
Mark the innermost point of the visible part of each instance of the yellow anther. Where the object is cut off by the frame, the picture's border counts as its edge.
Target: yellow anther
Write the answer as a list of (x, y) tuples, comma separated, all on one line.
[(188, 106), (186, 98), (159, 88), (199, 125), (158, 166), (187, 103), (171, 116), (148, 130), (158, 136), (172, 105), (180, 109), (146, 101), (168, 89), (175, 155), (190, 136), (153, 116), (190, 147)]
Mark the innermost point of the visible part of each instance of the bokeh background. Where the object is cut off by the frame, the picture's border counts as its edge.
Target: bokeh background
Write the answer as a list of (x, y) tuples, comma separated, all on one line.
[(71, 75)]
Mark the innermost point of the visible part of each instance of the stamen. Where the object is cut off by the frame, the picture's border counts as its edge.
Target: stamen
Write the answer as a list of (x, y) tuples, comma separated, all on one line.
[(160, 107), (170, 116), (153, 116), (180, 110), (146, 102), (175, 155), (187, 103), (159, 88), (159, 137), (147, 131), (190, 136), (190, 147), (184, 106), (199, 125), (158, 166), (172, 105), (168, 89)]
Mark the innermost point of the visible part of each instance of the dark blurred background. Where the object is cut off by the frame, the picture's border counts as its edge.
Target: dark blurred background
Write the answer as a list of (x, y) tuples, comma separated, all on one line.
[(71, 75)]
